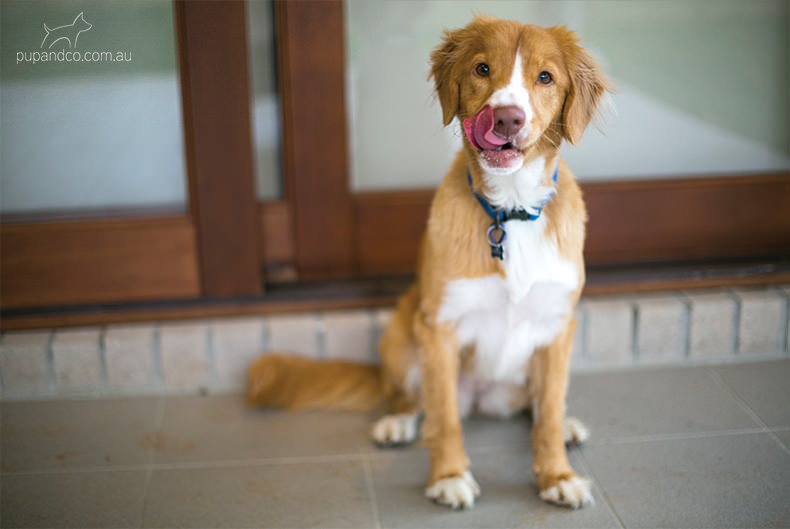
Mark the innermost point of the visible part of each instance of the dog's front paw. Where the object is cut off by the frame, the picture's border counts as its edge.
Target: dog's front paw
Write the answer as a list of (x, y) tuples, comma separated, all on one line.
[(458, 492), (573, 491)]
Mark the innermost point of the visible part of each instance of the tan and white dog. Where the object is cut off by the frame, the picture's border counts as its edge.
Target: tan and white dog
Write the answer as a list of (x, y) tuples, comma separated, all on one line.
[(488, 324)]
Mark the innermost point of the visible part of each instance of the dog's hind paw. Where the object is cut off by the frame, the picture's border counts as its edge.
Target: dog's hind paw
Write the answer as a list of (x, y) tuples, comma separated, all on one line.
[(574, 431), (394, 430), (458, 492), (573, 492)]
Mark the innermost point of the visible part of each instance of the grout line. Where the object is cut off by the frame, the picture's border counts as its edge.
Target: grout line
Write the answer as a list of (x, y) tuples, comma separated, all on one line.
[(2, 386), (741, 403), (265, 336), (736, 324), (374, 504), (783, 326), (685, 322), (373, 335), (357, 456), (76, 470), (211, 356), (635, 317), (319, 335), (103, 376), (156, 357), (194, 465), (672, 437), (597, 482), (159, 420), (749, 411), (53, 384)]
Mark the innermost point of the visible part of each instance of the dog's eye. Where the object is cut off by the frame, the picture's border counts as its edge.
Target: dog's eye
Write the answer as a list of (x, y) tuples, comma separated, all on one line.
[(482, 69), (545, 78)]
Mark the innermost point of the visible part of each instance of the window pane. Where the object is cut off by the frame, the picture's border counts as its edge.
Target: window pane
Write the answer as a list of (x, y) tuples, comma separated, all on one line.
[(265, 103), (91, 106), (701, 86)]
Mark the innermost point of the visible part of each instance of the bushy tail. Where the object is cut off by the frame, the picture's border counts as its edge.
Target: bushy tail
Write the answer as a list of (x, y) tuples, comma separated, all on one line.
[(295, 382)]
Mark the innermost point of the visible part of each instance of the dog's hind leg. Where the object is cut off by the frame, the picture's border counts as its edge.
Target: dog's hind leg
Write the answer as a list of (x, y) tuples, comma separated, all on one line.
[(401, 377)]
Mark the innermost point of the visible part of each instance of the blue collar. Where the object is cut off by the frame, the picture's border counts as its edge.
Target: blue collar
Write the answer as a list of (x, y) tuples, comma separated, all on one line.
[(503, 215), (496, 231)]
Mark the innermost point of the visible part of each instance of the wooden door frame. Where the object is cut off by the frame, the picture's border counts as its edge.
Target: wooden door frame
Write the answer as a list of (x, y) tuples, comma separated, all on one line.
[(215, 84), (310, 52)]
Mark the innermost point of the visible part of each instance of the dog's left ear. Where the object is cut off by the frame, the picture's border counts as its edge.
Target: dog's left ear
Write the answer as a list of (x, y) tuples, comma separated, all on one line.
[(588, 84), (443, 60)]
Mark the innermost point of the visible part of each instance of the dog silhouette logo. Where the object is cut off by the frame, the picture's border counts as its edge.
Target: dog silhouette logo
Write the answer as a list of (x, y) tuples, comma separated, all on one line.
[(70, 32)]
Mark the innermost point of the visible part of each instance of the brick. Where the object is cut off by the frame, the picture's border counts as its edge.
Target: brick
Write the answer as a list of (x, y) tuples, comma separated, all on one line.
[(711, 325), (349, 335), (294, 333), (661, 328), (129, 357), (762, 321), (609, 329), (23, 364), (184, 351), (76, 357), (236, 343)]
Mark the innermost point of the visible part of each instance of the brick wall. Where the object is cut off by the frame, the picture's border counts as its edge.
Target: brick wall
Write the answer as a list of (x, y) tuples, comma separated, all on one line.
[(212, 355)]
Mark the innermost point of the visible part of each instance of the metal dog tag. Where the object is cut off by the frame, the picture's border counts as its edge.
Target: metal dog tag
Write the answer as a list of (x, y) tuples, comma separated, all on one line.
[(496, 236)]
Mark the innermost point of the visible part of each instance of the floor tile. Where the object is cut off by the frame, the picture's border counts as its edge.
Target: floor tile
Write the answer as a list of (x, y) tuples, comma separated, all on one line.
[(76, 434), (489, 432), (509, 495), (90, 499), (295, 495), (654, 402), (764, 386), (784, 436), (222, 428), (724, 481)]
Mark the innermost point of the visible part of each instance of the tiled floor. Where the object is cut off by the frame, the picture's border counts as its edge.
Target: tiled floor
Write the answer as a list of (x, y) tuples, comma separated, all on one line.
[(671, 447)]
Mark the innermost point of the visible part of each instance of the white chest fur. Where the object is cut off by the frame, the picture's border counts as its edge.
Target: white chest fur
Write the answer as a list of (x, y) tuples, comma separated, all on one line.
[(506, 318)]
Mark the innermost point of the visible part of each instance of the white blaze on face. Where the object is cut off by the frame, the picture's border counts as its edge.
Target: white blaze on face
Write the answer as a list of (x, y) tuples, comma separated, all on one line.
[(515, 94)]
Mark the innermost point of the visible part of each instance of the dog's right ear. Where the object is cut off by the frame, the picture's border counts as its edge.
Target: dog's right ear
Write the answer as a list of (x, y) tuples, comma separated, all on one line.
[(443, 60)]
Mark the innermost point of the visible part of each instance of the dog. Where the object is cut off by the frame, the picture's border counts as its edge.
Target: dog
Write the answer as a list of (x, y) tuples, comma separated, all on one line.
[(70, 32), (488, 324)]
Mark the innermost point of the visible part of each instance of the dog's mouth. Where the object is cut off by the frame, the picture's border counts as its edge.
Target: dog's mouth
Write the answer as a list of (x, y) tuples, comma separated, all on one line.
[(496, 151)]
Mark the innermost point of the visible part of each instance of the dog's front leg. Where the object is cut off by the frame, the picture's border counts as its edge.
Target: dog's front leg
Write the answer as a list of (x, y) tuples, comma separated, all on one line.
[(557, 481), (450, 482)]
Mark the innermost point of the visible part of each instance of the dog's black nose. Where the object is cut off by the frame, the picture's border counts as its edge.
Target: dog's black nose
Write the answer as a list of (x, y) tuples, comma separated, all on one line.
[(508, 121)]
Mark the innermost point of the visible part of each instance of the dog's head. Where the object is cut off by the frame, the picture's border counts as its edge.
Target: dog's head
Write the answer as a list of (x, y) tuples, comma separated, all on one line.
[(515, 88)]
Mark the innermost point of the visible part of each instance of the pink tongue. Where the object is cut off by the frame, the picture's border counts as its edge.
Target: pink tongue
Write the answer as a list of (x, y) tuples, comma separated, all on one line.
[(480, 130)]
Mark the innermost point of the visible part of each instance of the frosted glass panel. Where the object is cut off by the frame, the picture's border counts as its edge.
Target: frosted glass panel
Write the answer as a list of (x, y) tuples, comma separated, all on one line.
[(701, 86), (265, 104), (90, 106)]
